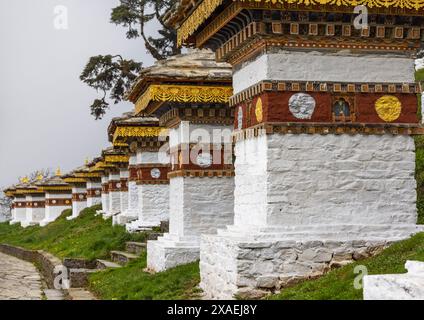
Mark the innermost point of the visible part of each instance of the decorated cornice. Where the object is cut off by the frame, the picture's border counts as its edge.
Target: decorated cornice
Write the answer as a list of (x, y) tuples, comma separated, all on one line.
[(328, 129), (55, 188), (87, 175), (74, 180), (117, 158), (331, 87), (183, 94), (100, 167), (207, 7), (123, 133), (120, 144), (29, 191), (9, 194)]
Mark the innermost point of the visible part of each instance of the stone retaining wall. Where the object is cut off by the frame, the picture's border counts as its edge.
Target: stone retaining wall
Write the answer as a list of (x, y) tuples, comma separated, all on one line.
[(46, 262)]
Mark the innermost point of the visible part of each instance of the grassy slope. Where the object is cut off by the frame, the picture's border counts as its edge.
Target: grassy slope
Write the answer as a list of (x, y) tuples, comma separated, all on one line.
[(419, 141), (131, 283), (92, 237), (86, 237), (338, 284)]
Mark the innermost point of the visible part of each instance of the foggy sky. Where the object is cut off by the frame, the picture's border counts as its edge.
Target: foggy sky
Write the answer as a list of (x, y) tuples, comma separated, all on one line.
[(45, 120)]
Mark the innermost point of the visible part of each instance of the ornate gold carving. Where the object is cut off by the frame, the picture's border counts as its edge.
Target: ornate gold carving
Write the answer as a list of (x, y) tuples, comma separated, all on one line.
[(181, 93), (120, 144), (75, 180), (137, 132), (47, 188), (259, 110), (101, 166), (87, 175), (388, 108), (205, 9), (117, 159)]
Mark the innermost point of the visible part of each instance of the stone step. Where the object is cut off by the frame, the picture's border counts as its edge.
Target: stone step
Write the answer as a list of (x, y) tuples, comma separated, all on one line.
[(136, 247), (80, 294), (105, 264), (122, 257)]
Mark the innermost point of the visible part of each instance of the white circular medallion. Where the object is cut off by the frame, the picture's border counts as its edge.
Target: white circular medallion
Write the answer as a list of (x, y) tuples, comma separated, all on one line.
[(81, 197), (54, 201), (204, 160), (118, 185), (97, 192), (302, 106), (155, 173)]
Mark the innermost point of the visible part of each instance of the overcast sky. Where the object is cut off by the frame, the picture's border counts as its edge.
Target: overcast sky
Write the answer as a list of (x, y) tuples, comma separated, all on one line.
[(45, 120)]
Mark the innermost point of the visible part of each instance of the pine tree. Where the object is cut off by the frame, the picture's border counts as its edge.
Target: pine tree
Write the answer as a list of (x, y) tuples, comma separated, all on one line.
[(114, 75)]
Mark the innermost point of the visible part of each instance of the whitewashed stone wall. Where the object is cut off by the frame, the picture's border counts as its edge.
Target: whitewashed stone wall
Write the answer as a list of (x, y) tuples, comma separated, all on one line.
[(54, 212), (202, 205), (131, 213), (152, 200), (124, 174), (197, 205), (154, 203), (105, 197), (409, 286), (92, 201), (114, 197), (132, 193), (19, 213), (302, 201), (78, 206), (34, 215), (317, 66)]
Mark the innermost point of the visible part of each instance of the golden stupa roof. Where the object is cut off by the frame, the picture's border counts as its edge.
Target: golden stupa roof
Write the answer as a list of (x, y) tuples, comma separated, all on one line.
[(129, 126), (55, 183), (194, 77)]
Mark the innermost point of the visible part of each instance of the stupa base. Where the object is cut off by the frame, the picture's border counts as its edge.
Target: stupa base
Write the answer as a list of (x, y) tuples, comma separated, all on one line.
[(171, 251), (255, 262)]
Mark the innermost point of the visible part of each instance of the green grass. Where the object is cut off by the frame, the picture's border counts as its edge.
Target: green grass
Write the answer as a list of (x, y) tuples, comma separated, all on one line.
[(419, 75), (338, 284), (87, 237), (419, 142), (131, 283)]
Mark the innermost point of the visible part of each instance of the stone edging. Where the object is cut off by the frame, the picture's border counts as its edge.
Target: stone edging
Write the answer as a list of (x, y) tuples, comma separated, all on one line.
[(46, 262), (50, 267)]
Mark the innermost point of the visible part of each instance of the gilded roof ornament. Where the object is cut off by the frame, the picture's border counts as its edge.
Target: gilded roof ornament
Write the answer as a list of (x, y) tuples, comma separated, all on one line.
[(25, 180)]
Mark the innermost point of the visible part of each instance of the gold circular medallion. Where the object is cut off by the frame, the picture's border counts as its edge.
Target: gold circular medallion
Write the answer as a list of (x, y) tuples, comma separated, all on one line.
[(259, 110), (388, 108)]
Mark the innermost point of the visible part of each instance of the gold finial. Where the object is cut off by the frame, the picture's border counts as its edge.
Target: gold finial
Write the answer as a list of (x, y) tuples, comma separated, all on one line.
[(87, 161), (58, 172), (25, 179), (40, 176)]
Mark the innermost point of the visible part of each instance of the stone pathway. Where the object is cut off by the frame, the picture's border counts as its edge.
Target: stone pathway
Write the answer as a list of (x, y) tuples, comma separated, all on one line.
[(19, 280)]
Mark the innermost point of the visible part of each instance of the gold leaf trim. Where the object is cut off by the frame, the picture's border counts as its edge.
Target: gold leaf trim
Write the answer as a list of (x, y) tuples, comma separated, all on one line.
[(137, 132), (184, 94), (205, 9), (116, 159)]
